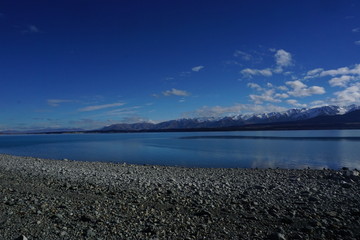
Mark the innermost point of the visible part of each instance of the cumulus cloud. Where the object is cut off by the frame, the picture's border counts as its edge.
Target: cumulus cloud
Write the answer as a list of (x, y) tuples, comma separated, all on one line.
[(57, 102), (281, 95), (266, 96), (175, 92), (220, 111), (341, 81), (197, 68), (341, 77), (342, 71), (248, 72), (318, 103), (254, 86), (355, 30), (283, 58), (295, 103), (268, 93), (98, 107), (348, 96), (283, 88), (299, 89), (314, 73)]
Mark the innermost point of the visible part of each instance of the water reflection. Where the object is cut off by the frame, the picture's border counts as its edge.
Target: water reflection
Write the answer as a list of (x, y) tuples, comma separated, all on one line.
[(261, 149), (276, 138)]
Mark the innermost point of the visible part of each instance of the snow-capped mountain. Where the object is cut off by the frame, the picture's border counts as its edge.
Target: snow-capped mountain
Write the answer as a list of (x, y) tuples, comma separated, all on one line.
[(291, 115), (296, 114)]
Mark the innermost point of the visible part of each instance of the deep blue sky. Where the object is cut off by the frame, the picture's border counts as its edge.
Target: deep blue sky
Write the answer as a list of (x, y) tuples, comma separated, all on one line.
[(93, 63)]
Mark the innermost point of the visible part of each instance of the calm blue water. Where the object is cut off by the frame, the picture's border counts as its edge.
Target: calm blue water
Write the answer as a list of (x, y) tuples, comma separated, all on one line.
[(263, 149)]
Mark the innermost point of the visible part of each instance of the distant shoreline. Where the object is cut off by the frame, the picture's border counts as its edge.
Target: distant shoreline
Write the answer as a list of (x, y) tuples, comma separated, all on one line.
[(256, 127)]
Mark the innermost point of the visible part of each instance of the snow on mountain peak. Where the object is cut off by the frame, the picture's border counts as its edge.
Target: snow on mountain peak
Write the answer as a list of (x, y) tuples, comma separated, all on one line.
[(296, 113)]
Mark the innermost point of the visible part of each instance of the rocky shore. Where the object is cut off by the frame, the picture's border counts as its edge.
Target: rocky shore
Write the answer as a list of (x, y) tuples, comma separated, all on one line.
[(52, 199)]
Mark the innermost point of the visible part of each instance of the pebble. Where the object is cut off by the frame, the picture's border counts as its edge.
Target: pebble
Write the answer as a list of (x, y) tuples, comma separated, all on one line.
[(49, 199), (22, 237)]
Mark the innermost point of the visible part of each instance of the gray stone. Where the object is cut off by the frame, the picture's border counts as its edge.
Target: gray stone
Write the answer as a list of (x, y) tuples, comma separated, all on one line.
[(22, 237), (277, 236)]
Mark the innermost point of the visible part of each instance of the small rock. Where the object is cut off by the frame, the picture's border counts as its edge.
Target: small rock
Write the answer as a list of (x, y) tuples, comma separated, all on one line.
[(313, 199), (276, 236), (87, 218), (22, 237), (332, 213), (258, 187), (203, 213), (346, 185), (90, 232)]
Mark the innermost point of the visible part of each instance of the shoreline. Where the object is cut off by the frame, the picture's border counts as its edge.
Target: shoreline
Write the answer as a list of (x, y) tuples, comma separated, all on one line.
[(58, 199)]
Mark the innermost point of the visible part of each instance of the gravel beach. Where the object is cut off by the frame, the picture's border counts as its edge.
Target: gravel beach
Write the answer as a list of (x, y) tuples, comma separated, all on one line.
[(53, 199)]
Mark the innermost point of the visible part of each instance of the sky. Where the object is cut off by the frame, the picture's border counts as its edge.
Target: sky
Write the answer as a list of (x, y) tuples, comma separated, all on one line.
[(89, 64)]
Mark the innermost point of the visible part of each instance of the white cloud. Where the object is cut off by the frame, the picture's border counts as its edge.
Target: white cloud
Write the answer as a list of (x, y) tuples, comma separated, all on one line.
[(197, 68), (175, 92), (296, 84), (355, 30), (283, 88), (248, 72), (348, 96), (254, 86), (299, 89), (357, 42), (281, 95), (219, 111), (267, 96), (283, 58), (57, 102), (122, 111), (341, 77), (314, 73), (98, 107), (295, 103), (341, 81), (342, 71), (245, 56), (318, 103)]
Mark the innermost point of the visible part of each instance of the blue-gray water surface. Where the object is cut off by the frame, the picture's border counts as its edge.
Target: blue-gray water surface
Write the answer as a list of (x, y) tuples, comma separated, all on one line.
[(256, 149)]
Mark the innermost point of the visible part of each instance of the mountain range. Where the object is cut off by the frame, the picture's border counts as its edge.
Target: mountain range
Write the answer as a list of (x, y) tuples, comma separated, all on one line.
[(326, 117), (311, 118)]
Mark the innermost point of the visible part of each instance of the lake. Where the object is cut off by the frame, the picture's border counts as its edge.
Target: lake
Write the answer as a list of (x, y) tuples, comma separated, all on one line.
[(254, 149)]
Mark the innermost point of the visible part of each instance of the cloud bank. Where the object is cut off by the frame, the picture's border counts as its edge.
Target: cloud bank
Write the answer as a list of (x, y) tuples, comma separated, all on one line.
[(98, 107)]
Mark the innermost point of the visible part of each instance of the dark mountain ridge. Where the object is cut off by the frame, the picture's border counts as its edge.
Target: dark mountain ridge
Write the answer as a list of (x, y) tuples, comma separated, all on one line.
[(327, 117)]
